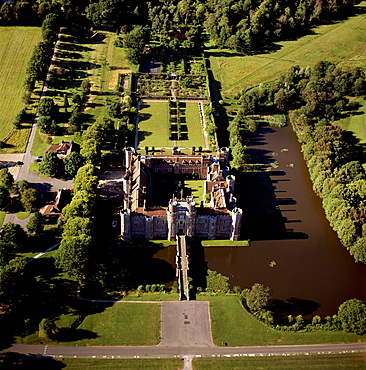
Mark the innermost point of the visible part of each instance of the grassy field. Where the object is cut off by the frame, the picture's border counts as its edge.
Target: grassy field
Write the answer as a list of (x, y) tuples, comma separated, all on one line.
[(341, 362), (357, 122), (154, 125), (16, 46), (233, 325), (225, 243), (126, 364), (343, 42), (120, 324)]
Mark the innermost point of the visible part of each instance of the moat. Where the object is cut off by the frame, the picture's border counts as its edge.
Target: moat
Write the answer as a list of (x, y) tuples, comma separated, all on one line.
[(310, 266)]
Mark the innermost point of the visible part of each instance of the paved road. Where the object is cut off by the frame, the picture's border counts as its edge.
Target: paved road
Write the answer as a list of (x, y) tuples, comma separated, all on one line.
[(178, 351)]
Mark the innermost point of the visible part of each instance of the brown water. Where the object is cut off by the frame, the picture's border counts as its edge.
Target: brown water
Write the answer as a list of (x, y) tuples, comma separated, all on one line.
[(313, 271)]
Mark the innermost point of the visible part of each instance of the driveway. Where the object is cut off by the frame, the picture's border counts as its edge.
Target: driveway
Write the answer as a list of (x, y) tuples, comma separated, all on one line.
[(185, 324)]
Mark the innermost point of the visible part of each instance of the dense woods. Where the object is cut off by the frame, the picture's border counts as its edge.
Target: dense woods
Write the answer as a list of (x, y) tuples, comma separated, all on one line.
[(244, 25)]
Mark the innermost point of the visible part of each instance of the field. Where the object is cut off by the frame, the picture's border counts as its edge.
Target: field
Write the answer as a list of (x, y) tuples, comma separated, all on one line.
[(16, 46), (120, 324), (357, 122), (324, 362), (343, 42), (233, 325)]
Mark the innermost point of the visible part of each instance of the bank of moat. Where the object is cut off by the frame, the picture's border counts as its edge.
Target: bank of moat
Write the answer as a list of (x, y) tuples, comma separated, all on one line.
[(216, 218)]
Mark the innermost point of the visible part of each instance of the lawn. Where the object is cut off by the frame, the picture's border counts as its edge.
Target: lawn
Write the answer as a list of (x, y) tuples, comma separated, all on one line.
[(197, 188), (357, 122), (233, 325), (126, 364), (340, 42), (120, 324), (16, 46), (153, 125), (195, 133), (341, 362), (225, 243)]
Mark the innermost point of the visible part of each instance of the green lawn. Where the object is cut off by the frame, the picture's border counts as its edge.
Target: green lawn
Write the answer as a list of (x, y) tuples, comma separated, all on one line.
[(341, 362), (233, 325), (195, 133), (154, 125), (126, 364), (16, 46), (225, 243), (340, 42), (357, 122), (197, 188), (120, 324)]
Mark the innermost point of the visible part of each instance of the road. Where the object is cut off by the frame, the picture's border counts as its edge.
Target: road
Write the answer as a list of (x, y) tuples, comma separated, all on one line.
[(178, 351)]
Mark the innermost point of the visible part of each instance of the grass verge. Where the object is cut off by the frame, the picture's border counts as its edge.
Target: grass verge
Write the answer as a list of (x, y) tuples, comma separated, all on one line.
[(343, 361), (126, 364), (233, 325), (2, 217), (225, 243)]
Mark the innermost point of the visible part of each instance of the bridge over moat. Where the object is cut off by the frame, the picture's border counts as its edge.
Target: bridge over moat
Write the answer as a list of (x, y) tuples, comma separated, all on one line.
[(182, 267)]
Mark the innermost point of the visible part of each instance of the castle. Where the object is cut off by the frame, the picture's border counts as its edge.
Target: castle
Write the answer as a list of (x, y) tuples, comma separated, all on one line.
[(220, 219)]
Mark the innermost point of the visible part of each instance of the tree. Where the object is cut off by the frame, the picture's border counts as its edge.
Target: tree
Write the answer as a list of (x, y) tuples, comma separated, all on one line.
[(134, 42), (73, 254), (47, 107), (13, 234), (82, 205), (7, 252), (6, 179), (216, 282), (101, 131), (11, 279), (35, 224), (258, 297), (28, 198), (90, 151), (86, 179), (359, 250), (51, 165), (352, 314), (4, 198), (47, 125), (39, 61), (72, 163)]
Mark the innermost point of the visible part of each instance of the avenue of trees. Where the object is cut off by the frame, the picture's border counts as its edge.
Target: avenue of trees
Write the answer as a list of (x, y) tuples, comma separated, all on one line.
[(75, 253), (315, 98)]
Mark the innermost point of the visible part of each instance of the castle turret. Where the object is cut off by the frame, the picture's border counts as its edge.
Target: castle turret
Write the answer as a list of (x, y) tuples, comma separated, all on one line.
[(230, 180), (149, 227), (126, 225), (190, 217), (236, 217), (128, 157), (172, 218)]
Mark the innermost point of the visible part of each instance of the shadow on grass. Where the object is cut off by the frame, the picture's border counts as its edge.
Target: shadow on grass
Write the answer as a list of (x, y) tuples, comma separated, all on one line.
[(73, 335)]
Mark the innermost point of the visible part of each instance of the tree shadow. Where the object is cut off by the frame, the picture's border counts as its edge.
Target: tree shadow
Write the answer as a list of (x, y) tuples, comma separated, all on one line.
[(14, 360), (73, 335), (292, 306), (142, 135)]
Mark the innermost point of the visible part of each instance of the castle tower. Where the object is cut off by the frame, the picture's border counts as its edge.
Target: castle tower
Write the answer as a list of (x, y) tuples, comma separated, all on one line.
[(236, 217), (149, 227), (224, 156), (190, 217), (128, 157), (172, 218), (230, 180), (126, 225)]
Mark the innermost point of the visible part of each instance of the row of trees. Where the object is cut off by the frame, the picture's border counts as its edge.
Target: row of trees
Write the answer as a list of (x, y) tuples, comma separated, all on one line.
[(75, 254), (351, 316)]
